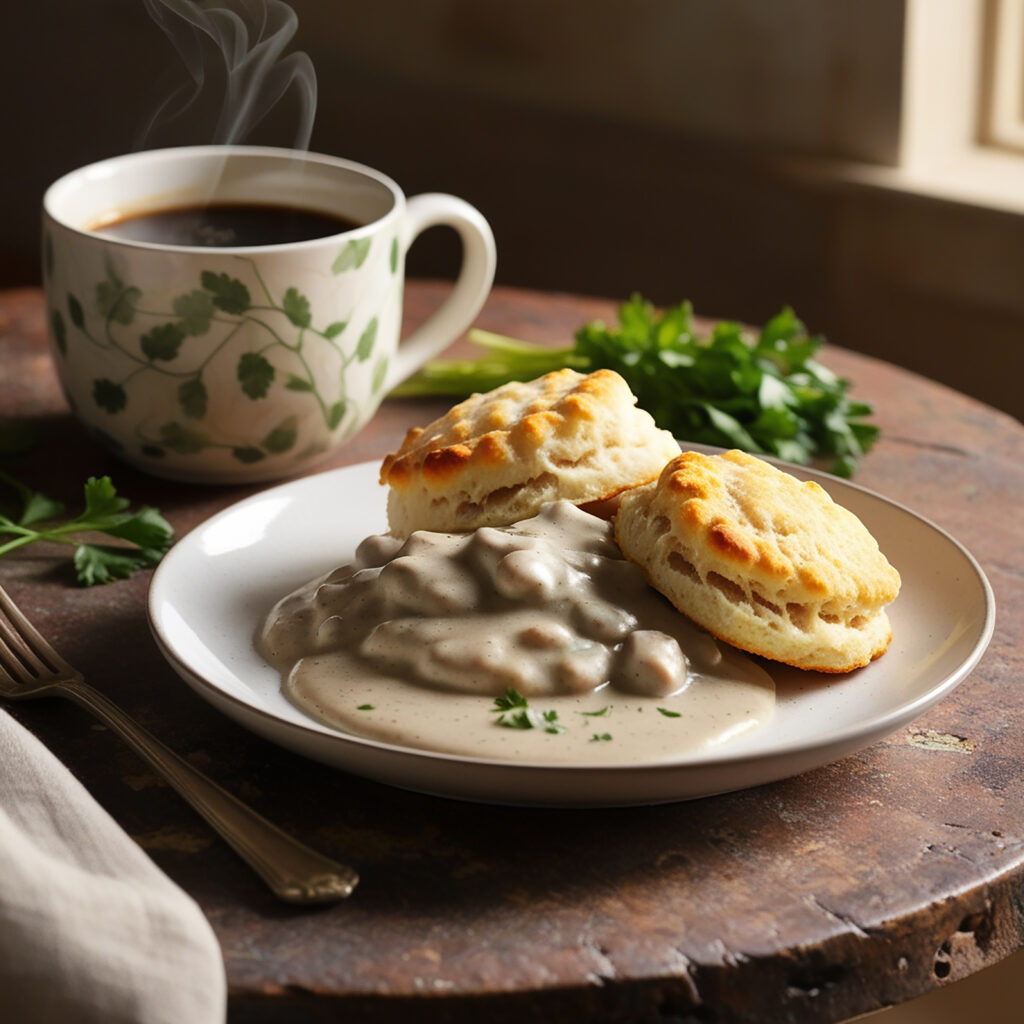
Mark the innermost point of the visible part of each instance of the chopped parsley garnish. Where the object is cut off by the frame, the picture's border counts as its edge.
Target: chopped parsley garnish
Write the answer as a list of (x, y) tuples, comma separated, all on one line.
[(511, 701), (551, 723), (670, 714), (600, 736), (597, 714), (514, 712), (365, 707)]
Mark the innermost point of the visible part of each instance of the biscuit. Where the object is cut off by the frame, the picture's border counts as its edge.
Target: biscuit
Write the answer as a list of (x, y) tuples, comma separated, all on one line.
[(765, 562), (496, 457)]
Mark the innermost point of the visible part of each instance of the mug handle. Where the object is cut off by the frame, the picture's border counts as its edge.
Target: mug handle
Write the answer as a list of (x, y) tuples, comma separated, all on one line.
[(471, 287)]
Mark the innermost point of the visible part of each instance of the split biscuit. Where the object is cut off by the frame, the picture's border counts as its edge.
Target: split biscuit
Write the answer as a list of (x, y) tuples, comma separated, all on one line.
[(765, 562), (496, 457)]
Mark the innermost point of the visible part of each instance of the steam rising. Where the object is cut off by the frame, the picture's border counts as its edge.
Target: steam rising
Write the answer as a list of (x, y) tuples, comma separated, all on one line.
[(240, 46)]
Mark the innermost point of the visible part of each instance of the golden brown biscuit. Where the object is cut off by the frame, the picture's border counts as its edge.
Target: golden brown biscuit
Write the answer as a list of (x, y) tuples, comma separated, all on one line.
[(768, 563), (495, 458)]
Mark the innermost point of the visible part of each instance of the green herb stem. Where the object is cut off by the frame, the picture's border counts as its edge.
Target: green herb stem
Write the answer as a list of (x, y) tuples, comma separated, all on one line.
[(508, 359), (58, 535)]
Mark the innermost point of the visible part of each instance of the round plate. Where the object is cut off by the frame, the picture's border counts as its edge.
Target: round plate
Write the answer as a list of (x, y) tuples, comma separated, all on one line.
[(213, 589)]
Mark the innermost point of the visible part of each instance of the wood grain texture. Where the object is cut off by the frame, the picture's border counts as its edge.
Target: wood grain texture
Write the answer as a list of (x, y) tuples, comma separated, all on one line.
[(855, 886)]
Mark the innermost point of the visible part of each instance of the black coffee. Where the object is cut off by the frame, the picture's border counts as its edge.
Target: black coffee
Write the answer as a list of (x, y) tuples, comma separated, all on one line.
[(228, 224)]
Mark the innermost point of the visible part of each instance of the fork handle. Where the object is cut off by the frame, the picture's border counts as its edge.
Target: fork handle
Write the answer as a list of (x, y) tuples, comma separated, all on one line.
[(293, 871)]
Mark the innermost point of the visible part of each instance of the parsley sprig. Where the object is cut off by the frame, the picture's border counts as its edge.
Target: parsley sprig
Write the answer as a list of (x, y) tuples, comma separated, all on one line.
[(766, 395), (144, 535), (514, 712)]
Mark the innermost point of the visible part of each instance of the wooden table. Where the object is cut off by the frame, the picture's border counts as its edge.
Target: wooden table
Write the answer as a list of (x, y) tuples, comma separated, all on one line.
[(855, 886)]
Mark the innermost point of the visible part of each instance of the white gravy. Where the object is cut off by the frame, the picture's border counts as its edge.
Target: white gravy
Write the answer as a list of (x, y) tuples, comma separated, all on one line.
[(413, 642)]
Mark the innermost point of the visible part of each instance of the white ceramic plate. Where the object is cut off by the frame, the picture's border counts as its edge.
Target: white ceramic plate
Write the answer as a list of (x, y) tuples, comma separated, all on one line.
[(216, 585)]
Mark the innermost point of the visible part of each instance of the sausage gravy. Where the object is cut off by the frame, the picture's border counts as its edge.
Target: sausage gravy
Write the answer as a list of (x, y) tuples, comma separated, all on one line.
[(536, 641)]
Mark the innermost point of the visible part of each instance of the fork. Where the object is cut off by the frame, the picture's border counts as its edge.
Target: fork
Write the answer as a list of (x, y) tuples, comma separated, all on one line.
[(30, 667)]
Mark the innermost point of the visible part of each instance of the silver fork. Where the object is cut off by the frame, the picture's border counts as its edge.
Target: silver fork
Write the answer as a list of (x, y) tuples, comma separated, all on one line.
[(30, 667)]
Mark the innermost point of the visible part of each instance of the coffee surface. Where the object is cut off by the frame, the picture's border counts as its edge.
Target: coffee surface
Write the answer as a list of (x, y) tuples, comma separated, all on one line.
[(227, 224)]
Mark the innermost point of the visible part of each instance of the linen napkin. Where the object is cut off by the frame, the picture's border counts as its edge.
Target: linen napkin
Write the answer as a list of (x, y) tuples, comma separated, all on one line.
[(90, 929)]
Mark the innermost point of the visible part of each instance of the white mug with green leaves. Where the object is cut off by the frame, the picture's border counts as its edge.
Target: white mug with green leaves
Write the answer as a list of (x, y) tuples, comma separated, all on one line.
[(204, 339)]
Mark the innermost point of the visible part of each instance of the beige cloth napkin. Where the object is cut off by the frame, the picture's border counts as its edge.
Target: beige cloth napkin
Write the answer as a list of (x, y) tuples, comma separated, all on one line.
[(90, 928)]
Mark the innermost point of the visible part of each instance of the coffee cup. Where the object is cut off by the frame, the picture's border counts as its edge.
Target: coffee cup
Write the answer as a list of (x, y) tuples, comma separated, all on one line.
[(232, 313)]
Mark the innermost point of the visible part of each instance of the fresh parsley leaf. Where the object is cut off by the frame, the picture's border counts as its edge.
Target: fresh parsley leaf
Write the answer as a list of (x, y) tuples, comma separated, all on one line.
[(103, 563), (145, 533), (599, 736), (34, 507), (551, 723), (146, 529), (101, 500), (510, 701), (670, 714), (518, 720), (514, 712), (366, 707), (767, 394)]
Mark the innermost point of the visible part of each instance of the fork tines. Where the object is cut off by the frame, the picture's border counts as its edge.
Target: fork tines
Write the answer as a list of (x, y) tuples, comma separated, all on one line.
[(24, 652)]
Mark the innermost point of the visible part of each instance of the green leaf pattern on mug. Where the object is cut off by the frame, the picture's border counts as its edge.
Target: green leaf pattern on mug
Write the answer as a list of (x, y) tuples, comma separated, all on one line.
[(115, 300), (282, 438), (247, 453), (352, 256), (183, 440), (76, 312), (255, 373), (336, 413), (60, 331), (162, 342), (109, 395), (229, 294), (365, 347), (159, 341), (296, 308), (193, 398), (195, 312)]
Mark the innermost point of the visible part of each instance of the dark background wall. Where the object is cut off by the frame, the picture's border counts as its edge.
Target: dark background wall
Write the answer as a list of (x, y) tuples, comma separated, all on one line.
[(614, 146)]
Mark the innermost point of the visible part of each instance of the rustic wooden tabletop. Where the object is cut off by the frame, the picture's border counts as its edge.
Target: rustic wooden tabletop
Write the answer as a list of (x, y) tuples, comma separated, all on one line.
[(857, 885)]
